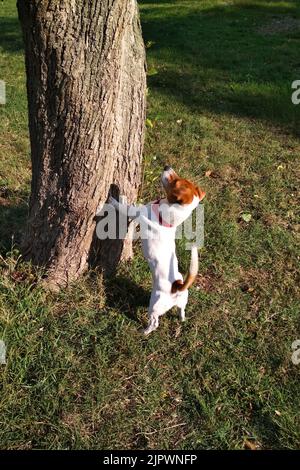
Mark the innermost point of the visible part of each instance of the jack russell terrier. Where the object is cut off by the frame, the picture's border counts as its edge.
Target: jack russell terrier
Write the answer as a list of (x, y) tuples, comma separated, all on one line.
[(161, 218)]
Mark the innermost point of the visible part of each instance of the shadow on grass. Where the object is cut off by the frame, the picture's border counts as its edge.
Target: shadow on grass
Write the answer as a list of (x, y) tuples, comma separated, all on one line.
[(11, 37), (275, 6), (126, 296), (13, 214), (221, 60), (267, 428)]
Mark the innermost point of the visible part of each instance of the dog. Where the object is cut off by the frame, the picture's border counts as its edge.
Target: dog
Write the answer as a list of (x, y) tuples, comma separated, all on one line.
[(159, 220)]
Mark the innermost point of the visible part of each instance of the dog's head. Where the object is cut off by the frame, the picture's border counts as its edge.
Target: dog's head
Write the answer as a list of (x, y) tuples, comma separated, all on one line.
[(179, 190)]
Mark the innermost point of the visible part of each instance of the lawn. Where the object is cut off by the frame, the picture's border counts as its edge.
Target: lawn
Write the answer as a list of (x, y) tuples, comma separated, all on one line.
[(79, 375)]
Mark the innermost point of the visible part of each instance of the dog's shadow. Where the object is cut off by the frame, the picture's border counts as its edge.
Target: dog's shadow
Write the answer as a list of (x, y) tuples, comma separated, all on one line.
[(127, 296)]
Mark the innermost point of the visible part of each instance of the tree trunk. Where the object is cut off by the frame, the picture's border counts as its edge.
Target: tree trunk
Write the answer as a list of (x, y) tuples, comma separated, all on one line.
[(85, 65)]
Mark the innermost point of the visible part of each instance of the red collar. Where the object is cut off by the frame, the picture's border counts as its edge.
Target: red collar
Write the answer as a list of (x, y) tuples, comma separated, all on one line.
[(155, 209)]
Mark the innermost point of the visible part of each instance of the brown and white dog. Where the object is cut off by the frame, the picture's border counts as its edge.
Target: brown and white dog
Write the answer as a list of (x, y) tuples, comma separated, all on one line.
[(160, 219)]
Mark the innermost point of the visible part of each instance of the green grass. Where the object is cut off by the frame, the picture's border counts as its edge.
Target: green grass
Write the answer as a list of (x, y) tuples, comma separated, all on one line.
[(78, 373)]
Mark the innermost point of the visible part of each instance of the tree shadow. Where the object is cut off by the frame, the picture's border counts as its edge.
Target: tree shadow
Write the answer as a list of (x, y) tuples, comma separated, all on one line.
[(152, 2), (106, 253), (11, 37), (13, 215), (220, 59), (121, 292), (126, 296)]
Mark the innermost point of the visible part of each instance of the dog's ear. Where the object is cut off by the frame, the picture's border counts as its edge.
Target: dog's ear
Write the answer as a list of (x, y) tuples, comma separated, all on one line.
[(200, 193)]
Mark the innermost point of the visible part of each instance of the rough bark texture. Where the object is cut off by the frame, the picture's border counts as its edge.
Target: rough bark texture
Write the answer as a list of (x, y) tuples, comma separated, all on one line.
[(85, 65)]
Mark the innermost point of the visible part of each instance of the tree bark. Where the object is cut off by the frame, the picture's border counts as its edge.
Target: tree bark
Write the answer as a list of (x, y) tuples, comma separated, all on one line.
[(86, 82)]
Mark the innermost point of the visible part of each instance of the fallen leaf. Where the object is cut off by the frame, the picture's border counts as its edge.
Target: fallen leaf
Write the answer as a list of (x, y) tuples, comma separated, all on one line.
[(250, 445), (246, 217), (152, 71), (149, 123), (149, 44), (212, 174), (18, 276), (246, 288)]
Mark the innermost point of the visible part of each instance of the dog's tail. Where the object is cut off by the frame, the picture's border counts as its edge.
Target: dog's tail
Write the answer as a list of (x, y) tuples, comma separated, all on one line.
[(180, 285)]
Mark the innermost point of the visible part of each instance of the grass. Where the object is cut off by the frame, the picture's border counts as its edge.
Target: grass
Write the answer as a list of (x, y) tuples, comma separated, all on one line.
[(79, 375)]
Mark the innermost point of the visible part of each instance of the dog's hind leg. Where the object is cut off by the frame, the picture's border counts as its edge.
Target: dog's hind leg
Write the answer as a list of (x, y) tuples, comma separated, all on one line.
[(153, 323), (159, 305), (181, 303), (182, 313)]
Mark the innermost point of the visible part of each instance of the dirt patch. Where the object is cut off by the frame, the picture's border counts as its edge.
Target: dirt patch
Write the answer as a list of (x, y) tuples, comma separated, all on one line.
[(253, 279), (280, 26), (208, 282)]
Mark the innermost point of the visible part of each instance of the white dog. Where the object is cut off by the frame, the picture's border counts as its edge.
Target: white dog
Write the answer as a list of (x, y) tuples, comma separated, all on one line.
[(159, 220)]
